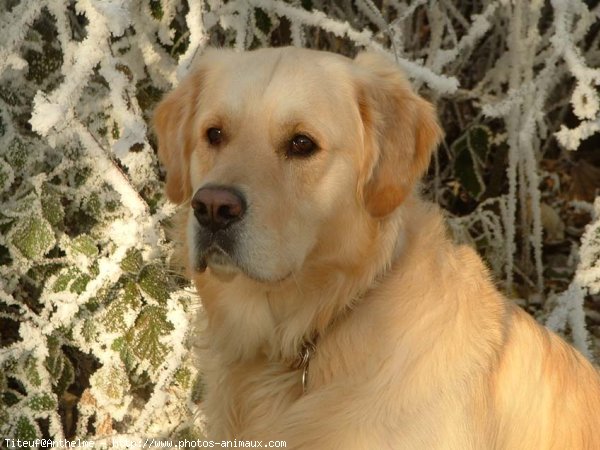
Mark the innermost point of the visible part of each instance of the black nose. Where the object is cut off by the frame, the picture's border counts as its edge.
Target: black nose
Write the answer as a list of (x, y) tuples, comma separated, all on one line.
[(217, 207)]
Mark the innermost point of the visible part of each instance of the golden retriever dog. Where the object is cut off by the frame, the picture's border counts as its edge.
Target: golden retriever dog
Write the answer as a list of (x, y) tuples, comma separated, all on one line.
[(340, 314)]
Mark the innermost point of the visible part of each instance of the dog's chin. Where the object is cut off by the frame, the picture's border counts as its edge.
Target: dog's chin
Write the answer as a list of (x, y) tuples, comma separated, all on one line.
[(218, 263), (225, 268)]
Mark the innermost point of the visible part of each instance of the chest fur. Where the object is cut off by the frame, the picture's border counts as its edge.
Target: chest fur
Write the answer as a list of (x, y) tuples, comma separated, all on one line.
[(244, 397)]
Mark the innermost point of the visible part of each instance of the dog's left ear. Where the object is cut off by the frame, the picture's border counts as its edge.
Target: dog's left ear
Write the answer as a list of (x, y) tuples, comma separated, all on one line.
[(401, 131)]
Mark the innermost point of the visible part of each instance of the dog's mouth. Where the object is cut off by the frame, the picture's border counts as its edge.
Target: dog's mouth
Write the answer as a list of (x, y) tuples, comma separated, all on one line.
[(226, 267), (217, 259)]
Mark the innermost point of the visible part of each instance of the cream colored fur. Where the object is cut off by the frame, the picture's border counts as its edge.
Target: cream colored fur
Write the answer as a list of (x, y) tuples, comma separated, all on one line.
[(415, 347)]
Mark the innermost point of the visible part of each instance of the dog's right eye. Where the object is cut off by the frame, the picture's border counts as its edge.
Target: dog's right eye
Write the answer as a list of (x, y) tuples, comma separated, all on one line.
[(214, 136)]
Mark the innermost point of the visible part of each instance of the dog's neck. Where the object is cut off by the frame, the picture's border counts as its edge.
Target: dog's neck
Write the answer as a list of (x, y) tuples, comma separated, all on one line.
[(279, 321), (310, 343)]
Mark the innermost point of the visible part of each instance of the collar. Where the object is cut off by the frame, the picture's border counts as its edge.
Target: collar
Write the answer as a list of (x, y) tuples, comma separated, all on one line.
[(303, 360)]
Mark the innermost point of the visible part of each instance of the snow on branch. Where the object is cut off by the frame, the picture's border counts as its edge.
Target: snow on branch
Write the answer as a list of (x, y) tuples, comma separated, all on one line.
[(13, 28), (569, 16), (569, 304), (229, 17)]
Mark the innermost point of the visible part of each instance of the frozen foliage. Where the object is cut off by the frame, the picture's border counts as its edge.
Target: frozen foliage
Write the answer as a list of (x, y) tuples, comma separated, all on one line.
[(569, 308), (83, 249), (94, 323)]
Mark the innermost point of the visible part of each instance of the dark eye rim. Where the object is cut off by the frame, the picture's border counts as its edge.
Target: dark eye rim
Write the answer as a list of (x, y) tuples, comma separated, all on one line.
[(212, 138), (304, 149)]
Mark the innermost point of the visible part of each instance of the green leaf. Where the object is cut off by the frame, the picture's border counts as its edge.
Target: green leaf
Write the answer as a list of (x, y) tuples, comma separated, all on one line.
[(52, 208), (80, 283), (7, 176), (110, 383), (84, 245), (33, 237), (10, 398), (471, 151), (154, 282), (10, 365), (25, 430), (121, 346), (59, 367), (156, 9), (42, 402), (64, 278), (73, 279), (128, 303), (67, 376), (464, 167), (26, 206), (144, 337), (92, 205), (17, 154), (54, 362), (4, 418), (190, 433), (183, 377), (263, 22), (42, 65), (133, 261), (31, 372), (479, 140), (11, 95), (89, 330)]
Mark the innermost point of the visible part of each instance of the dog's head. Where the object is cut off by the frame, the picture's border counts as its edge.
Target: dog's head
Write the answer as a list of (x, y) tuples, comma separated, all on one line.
[(276, 149)]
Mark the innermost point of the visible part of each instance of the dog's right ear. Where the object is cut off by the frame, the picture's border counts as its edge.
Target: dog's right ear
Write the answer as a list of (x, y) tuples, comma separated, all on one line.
[(173, 122)]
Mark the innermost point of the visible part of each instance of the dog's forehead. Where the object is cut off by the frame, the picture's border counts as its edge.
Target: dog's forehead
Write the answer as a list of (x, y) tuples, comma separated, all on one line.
[(290, 76)]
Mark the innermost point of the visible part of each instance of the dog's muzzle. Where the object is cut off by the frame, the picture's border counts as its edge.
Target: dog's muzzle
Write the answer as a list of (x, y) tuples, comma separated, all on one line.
[(217, 210)]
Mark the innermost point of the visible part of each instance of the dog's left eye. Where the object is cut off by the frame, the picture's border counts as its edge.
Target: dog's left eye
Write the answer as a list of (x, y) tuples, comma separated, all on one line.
[(215, 136), (301, 145)]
